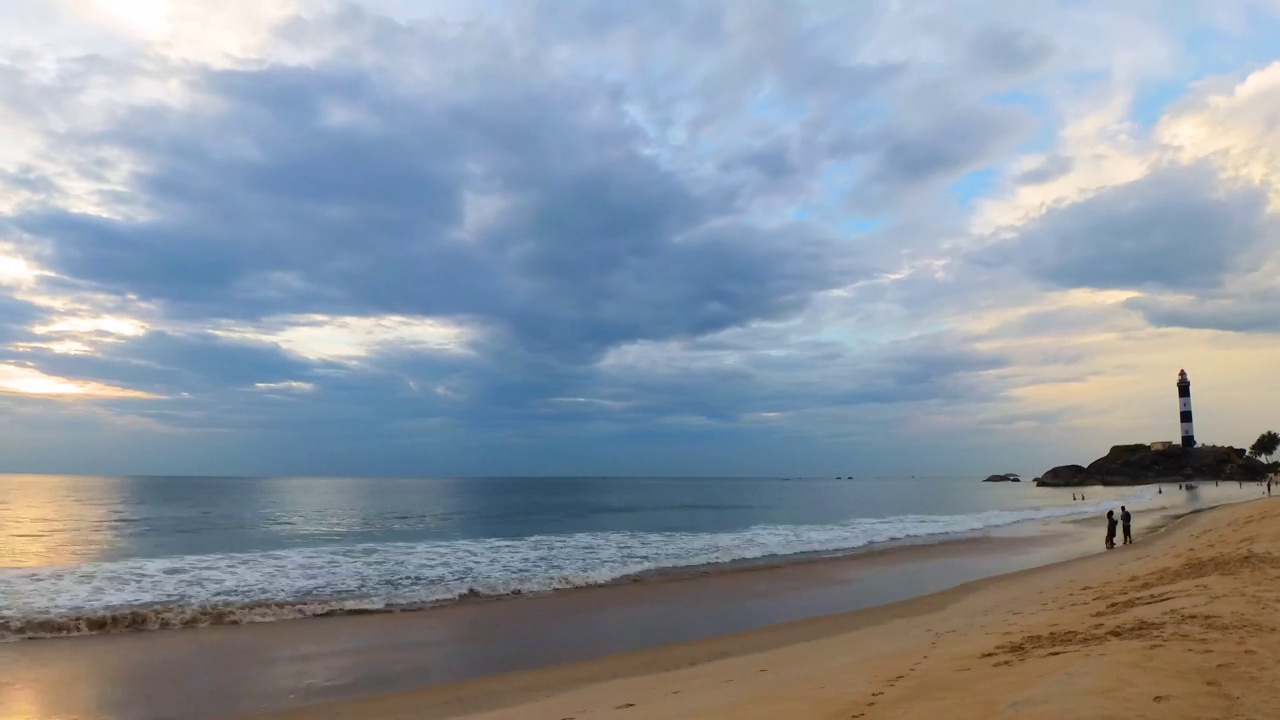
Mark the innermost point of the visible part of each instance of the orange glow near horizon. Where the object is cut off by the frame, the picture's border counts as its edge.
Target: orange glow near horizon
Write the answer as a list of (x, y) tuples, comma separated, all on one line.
[(20, 380)]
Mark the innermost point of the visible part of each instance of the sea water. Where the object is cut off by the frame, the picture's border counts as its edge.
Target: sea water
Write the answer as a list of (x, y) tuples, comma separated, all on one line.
[(84, 555)]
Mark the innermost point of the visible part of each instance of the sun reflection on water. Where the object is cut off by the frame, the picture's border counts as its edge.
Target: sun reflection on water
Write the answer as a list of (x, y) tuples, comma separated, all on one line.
[(56, 519)]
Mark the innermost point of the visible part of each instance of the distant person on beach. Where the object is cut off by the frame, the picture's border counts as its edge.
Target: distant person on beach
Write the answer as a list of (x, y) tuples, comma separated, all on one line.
[(1111, 529), (1073, 497), (1125, 520)]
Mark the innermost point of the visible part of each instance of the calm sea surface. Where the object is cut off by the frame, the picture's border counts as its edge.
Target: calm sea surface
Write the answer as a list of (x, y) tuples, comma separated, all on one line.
[(95, 554)]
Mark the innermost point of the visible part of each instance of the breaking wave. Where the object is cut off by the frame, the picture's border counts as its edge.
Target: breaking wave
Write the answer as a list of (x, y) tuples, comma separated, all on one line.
[(239, 588)]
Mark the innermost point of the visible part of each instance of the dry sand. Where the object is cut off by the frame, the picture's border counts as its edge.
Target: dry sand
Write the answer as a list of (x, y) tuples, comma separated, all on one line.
[(1183, 624)]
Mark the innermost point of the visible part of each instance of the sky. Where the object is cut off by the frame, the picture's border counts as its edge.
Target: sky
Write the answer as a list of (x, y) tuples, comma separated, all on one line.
[(730, 237)]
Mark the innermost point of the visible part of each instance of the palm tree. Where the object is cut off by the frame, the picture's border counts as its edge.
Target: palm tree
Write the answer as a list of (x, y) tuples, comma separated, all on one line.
[(1265, 446)]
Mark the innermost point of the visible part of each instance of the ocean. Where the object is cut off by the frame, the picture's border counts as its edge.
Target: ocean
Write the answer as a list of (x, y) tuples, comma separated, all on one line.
[(84, 555)]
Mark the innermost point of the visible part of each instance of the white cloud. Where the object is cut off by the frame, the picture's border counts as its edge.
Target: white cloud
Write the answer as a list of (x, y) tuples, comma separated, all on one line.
[(290, 386), (16, 271), (22, 380), (210, 31), (107, 324), (350, 338), (61, 347), (1102, 151), (1235, 127)]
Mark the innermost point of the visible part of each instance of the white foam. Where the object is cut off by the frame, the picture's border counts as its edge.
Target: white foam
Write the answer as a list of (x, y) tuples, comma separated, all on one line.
[(254, 587)]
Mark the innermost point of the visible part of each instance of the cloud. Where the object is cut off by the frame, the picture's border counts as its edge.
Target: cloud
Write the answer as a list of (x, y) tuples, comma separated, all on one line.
[(1009, 51), (286, 386), (1179, 228), (30, 381), (429, 233), (932, 146), (348, 339), (1050, 168), (1227, 311), (588, 242), (170, 364), (1230, 125)]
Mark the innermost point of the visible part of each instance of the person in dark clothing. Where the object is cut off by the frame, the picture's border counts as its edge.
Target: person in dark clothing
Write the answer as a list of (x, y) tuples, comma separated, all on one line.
[(1125, 520), (1111, 529)]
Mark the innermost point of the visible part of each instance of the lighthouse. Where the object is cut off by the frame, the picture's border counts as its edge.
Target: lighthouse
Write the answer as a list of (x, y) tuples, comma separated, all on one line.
[(1184, 410)]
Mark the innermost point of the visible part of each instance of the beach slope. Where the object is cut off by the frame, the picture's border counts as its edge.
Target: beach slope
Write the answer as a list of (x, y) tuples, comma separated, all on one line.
[(1183, 624)]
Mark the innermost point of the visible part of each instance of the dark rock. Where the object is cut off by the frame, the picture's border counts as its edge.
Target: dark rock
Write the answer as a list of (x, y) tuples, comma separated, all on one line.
[(1066, 476), (1007, 477), (1140, 465)]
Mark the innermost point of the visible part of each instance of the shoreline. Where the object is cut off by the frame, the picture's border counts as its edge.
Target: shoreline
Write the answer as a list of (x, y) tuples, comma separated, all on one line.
[(162, 617), (234, 670), (156, 618), (695, 679)]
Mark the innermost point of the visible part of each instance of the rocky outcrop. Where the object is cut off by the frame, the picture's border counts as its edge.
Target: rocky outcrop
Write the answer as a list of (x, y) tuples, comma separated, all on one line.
[(1066, 476), (1007, 477), (1140, 465)]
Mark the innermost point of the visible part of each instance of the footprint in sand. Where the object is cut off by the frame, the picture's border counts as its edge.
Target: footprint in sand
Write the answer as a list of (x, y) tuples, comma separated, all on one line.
[(624, 706)]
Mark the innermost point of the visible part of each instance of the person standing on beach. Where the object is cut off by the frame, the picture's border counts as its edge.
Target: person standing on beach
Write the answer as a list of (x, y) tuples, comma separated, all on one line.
[(1125, 520), (1111, 529)]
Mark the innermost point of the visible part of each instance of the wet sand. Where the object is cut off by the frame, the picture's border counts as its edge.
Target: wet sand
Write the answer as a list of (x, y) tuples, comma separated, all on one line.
[(1181, 625), (236, 670)]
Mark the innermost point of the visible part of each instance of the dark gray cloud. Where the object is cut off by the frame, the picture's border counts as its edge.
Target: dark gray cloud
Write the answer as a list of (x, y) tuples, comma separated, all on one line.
[(1256, 312), (17, 317), (810, 377), (590, 243), (935, 142), (1179, 228)]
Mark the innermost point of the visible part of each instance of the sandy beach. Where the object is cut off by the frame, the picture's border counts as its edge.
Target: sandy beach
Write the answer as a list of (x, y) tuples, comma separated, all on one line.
[(1181, 624)]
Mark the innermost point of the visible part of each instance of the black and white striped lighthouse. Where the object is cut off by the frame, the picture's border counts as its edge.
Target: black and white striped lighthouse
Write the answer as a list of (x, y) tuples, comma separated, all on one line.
[(1184, 410)]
